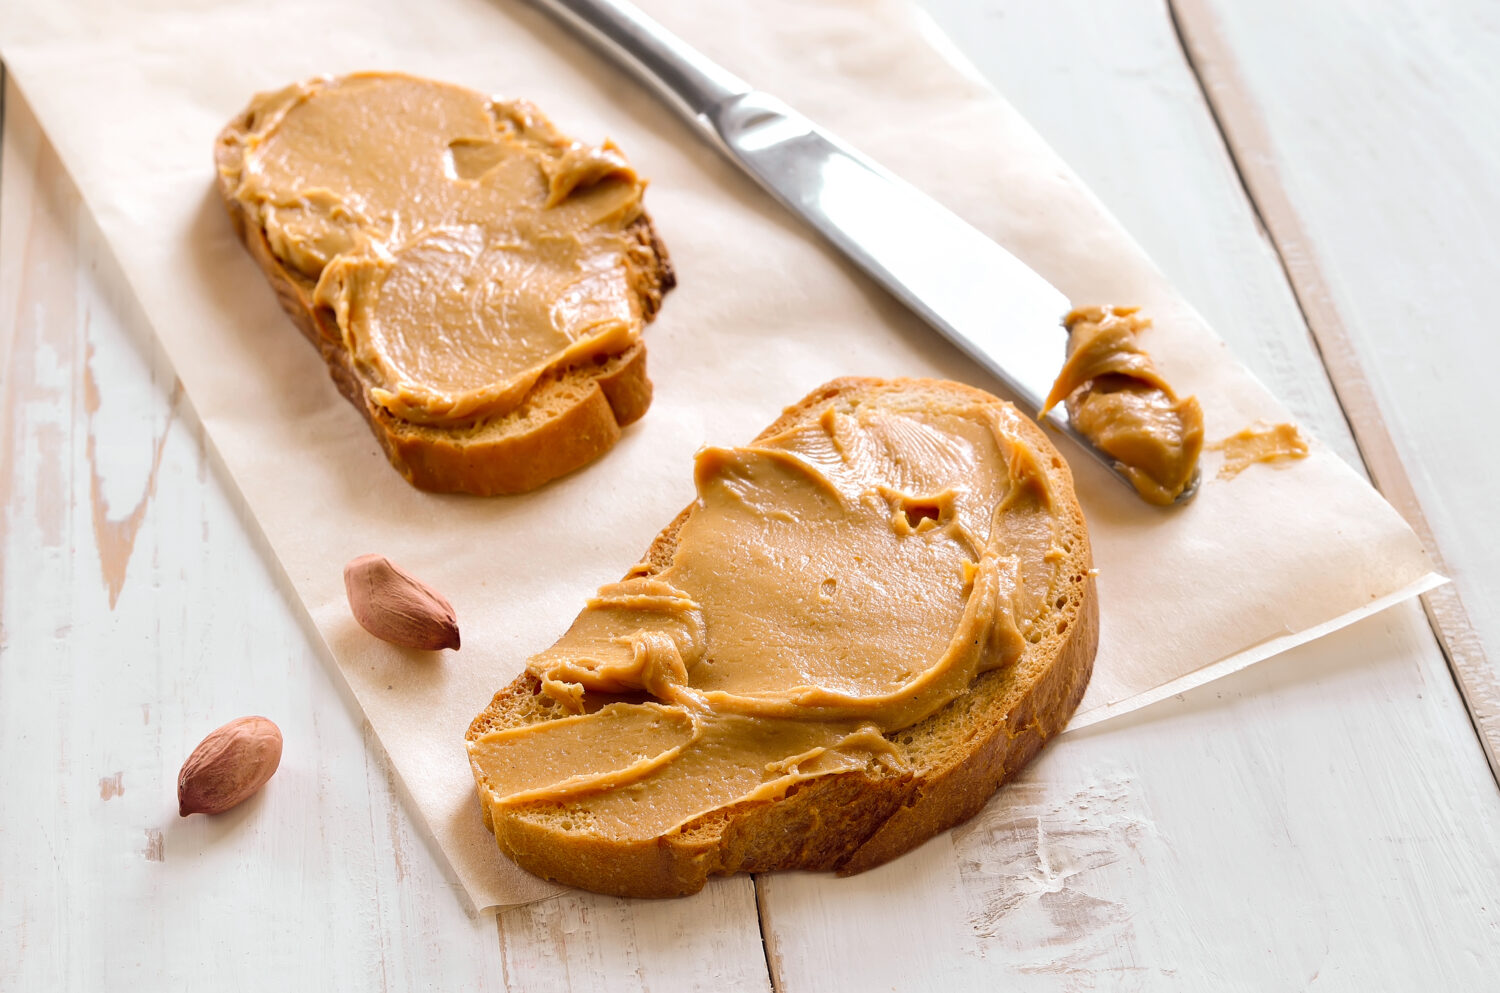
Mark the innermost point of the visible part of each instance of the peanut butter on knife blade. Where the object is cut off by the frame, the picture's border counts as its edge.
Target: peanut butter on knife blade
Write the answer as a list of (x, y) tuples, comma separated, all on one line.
[(1117, 398)]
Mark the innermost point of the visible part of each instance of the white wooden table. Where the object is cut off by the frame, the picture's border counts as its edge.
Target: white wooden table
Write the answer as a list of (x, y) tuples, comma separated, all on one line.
[(1319, 178)]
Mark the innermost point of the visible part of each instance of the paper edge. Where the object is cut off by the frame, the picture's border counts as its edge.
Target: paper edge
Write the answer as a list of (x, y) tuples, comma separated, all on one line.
[(1250, 656)]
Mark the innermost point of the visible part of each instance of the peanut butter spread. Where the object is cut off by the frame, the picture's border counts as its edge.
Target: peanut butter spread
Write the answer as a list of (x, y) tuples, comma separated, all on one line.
[(834, 583), (1115, 396), (463, 246), (1260, 443)]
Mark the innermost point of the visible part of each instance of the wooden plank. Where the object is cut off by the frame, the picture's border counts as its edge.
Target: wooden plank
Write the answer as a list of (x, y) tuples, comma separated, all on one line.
[(138, 614), (1368, 140), (581, 941), (1323, 817), (140, 610), (1177, 851)]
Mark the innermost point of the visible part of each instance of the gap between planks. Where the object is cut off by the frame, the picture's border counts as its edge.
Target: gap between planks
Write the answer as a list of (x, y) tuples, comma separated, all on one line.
[(4, 89), (1243, 133), (767, 936), (4, 81)]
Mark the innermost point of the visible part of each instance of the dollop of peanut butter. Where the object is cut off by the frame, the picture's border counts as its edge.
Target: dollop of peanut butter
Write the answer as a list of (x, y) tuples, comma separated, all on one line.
[(463, 246), (1116, 397), (1260, 442), (834, 583)]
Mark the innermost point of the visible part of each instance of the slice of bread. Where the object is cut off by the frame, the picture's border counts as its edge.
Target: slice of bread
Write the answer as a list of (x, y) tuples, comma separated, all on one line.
[(570, 416), (848, 821)]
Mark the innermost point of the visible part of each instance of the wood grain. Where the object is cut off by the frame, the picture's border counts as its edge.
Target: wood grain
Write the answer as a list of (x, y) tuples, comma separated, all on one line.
[(1346, 243), (138, 613), (582, 942)]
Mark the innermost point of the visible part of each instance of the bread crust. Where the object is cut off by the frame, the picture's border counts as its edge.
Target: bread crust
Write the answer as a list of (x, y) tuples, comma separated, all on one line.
[(852, 821), (568, 419)]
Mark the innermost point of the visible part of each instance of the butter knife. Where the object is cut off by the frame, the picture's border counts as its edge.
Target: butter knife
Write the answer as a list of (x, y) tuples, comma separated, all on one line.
[(939, 266)]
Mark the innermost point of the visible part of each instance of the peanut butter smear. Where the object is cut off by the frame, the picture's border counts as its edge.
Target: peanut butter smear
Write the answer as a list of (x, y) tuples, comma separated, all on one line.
[(463, 246), (1115, 396), (1260, 443), (834, 583)]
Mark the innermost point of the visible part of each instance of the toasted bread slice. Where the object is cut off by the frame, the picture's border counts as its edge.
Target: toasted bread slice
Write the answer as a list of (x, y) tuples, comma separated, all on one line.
[(847, 821), (571, 415)]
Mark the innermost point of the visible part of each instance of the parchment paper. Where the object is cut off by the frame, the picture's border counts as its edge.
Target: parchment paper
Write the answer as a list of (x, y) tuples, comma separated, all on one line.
[(132, 94)]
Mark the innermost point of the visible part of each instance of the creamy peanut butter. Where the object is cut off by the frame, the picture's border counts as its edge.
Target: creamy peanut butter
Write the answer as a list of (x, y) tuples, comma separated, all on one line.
[(834, 583), (1260, 443), (1115, 396), (462, 244)]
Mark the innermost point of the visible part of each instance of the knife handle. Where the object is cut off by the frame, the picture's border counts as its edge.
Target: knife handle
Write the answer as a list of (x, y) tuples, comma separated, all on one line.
[(693, 84)]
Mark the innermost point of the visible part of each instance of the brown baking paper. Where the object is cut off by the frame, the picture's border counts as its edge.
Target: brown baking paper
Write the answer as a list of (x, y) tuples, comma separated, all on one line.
[(132, 94)]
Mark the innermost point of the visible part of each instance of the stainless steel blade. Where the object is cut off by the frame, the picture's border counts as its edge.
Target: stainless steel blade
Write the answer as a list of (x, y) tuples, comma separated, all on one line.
[(979, 296), (982, 298)]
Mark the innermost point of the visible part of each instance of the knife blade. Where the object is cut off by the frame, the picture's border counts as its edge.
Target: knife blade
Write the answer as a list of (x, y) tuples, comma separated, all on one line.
[(976, 294)]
